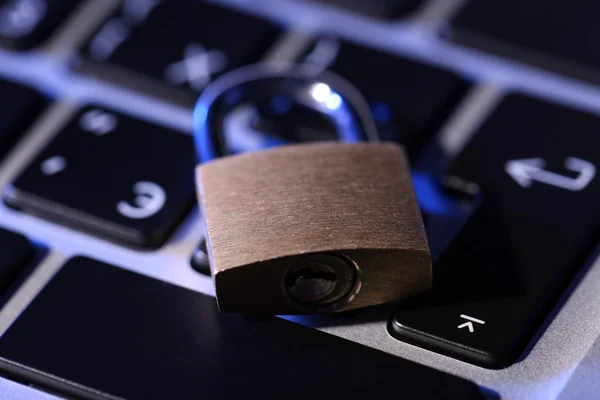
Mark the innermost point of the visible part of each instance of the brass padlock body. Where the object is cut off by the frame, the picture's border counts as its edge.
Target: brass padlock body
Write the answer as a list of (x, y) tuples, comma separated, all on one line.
[(266, 211)]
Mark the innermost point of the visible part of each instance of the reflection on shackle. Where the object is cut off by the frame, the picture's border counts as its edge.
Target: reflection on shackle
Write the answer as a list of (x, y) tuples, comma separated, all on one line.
[(229, 105)]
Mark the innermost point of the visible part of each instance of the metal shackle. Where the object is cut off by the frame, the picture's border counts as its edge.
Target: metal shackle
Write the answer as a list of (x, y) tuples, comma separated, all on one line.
[(323, 92)]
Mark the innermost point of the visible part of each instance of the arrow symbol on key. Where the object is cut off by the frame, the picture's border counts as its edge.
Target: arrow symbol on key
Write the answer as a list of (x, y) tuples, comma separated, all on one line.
[(527, 170), (469, 324)]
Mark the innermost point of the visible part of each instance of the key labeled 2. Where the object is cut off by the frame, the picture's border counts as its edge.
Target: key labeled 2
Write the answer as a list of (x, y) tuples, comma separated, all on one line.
[(111, 175), (177, 48)]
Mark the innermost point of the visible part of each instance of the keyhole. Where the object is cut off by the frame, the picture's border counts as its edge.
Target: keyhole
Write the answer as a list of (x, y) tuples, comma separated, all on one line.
[(312, 284), (322, 281)]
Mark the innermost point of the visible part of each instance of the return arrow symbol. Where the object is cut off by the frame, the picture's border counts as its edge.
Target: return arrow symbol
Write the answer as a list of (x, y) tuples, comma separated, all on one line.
[(469, 324), (527, 170)]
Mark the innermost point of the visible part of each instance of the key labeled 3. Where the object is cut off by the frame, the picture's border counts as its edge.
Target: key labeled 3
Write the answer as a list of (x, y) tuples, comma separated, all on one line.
[(111, 175)]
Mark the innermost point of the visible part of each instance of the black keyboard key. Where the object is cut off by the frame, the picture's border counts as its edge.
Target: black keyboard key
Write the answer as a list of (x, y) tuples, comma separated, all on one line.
[(107, 329), (551, 34), (18, 107), (15, 253), (409, 100), (182, 44), (535, 163), (109, 174), (26, 23), (384, 9)]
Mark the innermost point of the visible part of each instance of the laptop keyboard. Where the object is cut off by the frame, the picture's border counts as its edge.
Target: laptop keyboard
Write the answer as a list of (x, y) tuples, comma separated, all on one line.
[(508, 192)]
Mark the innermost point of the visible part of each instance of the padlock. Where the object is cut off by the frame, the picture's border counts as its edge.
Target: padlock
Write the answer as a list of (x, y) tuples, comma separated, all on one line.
[(313, 227)]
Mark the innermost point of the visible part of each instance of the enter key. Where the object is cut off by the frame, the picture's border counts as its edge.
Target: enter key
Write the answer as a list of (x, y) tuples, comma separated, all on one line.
[(495, 284)]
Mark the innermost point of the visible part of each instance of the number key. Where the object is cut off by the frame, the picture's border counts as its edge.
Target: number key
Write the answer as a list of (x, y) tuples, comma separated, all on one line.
[(180, 45), (112, 175)]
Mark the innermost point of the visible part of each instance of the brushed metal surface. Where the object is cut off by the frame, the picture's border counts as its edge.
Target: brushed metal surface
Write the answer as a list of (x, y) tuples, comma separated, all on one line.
[(264, 210)]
